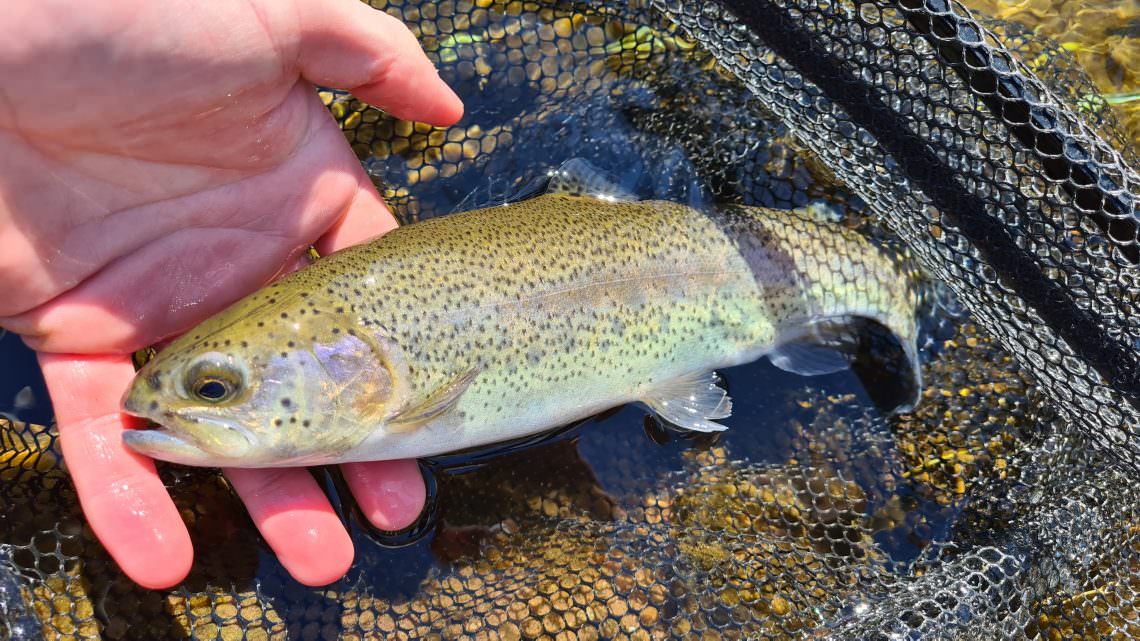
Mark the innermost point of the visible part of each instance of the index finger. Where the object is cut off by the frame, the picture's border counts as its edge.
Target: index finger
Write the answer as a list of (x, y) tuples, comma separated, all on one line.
[(349, 45), (122, 497)]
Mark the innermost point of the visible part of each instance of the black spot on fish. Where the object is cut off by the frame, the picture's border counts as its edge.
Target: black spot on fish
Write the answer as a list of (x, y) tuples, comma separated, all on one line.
[(285, 402)]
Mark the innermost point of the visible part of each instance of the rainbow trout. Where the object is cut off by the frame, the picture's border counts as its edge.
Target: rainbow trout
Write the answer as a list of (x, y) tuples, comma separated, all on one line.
[(504, 322)]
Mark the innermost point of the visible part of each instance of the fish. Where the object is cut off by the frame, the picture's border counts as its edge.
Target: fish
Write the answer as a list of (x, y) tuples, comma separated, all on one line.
[(508, 321)]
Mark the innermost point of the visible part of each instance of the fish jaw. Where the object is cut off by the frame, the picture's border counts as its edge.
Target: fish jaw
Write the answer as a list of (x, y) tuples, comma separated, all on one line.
[(187, 438), (165, 445)]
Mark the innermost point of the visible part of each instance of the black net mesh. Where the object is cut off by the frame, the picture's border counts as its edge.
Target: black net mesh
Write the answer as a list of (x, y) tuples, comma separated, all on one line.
[(1006, 193), (1001, 507)]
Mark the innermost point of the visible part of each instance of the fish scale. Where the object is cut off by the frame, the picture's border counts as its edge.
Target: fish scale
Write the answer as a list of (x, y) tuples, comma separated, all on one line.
[(504, 322)]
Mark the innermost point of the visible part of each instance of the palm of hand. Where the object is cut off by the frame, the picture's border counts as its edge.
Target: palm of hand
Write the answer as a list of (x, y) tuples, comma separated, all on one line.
[(194, 165)]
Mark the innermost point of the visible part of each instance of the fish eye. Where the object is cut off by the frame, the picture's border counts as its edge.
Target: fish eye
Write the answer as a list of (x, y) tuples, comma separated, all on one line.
[(212, 389), (213, 378)]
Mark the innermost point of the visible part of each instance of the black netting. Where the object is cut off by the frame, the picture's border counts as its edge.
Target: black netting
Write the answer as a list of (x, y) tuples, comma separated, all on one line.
[(16, 622), (1001, 507), (1020, 206)]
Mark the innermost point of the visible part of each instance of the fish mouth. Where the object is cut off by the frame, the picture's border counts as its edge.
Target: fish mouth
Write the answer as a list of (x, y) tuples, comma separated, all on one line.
[(184, 436), (191, 439), (164, 444)]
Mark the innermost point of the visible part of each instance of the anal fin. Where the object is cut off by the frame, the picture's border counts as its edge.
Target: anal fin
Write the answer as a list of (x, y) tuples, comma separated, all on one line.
[(824, 346), (808, 359), (884, 359), (692, 402)]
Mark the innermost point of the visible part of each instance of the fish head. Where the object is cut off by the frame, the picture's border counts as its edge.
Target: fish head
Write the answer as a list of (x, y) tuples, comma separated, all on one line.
[(269, 388)]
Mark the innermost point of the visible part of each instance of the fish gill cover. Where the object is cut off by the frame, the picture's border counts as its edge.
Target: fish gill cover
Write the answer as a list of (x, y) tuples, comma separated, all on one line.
[(1002, 507)]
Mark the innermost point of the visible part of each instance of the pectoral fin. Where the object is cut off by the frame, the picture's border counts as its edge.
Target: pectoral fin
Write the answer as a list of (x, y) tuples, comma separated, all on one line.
[(434, 405), (691, 402)]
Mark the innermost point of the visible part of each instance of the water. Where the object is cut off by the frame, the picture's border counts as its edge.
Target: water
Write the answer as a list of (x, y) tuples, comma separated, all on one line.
[(22, 390)]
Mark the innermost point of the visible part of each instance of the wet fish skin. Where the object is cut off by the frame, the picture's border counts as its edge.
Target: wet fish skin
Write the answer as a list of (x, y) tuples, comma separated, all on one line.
[(503, 322)]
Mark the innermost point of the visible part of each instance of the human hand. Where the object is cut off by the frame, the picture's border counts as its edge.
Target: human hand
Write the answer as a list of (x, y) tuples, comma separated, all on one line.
[(178, 159)]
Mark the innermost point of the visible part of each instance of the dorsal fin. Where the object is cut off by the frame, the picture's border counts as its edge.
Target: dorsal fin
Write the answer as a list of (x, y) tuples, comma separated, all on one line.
[(576, 177), (822, 211)]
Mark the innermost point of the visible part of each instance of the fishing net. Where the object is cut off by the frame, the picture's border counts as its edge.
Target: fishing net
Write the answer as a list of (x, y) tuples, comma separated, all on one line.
[(1007, 194), (1001, 507)]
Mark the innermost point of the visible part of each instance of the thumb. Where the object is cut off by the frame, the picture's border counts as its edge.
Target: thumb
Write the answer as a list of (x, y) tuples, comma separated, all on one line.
[(345, 44)]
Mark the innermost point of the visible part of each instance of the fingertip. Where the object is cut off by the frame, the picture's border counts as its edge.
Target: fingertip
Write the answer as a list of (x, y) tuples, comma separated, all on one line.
[(122, 497), (140, 527), (165, 567), (432, 101), (349, 45), (450, 108), (391, 494), (318, 556), (297, 522)]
